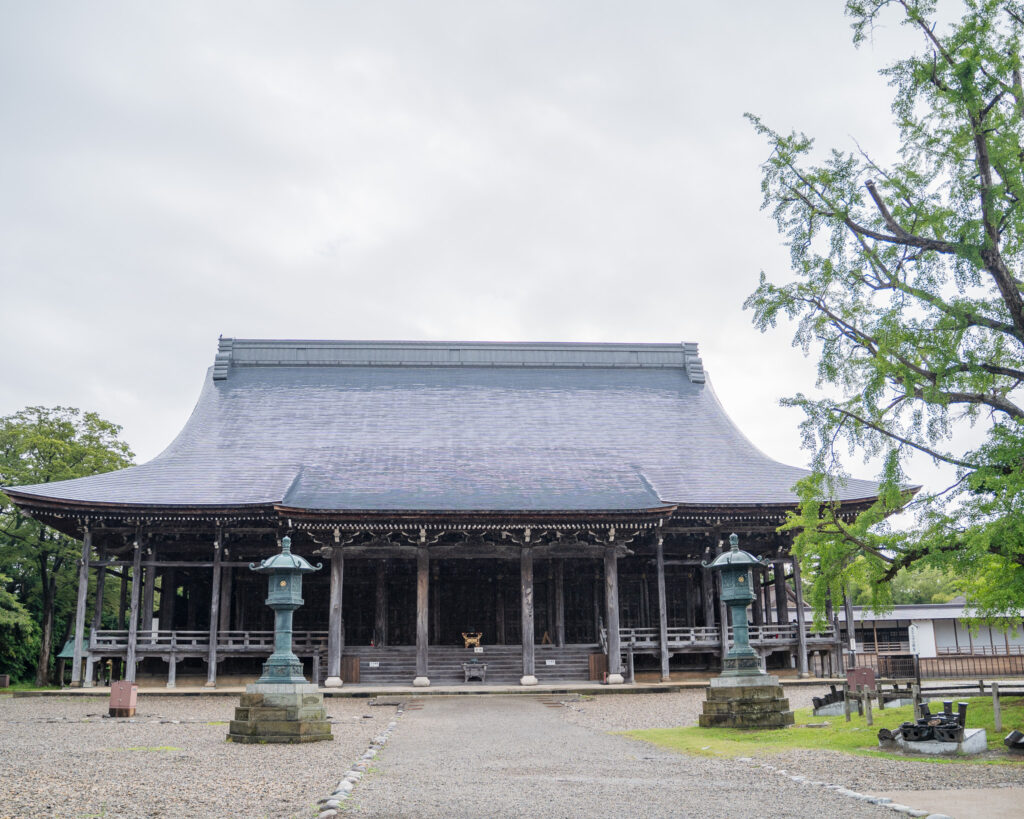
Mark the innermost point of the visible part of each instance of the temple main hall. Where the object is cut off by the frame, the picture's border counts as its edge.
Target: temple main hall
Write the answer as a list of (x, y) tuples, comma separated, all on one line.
[(485, 512)]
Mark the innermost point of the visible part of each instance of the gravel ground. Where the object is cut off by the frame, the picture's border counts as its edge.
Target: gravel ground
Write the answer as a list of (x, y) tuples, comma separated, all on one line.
[(514, 757), (637, 711), (60, 757)]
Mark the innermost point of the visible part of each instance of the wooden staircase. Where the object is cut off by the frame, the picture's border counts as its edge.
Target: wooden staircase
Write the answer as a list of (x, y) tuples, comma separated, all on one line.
[(396, 665)]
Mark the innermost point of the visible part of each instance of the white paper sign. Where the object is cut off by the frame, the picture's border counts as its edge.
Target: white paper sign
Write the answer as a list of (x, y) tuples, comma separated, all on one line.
[(549, 662), (913, 637), (373, 664), (478, 650)]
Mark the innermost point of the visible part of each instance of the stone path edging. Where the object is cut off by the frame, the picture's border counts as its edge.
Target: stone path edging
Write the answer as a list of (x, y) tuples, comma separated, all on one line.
[(882, 801), (329, 806)]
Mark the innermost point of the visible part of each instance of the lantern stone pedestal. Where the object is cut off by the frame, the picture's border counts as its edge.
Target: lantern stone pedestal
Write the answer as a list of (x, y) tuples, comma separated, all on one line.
[(280, 712), (743, 696), (746, 701), (281, 706)]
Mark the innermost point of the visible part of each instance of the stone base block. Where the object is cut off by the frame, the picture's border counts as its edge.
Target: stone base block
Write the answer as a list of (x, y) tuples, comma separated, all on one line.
[(975, 741), (746, 701), (529, 679), (280, 716), (615, 679), (421, 682), (333, 682)]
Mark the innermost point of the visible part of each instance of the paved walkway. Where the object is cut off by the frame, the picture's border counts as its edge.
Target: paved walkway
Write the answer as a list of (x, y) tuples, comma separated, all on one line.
[(517, 756)]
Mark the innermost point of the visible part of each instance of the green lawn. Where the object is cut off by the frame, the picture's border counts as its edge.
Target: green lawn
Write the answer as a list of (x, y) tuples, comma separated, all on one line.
[(854, 737)]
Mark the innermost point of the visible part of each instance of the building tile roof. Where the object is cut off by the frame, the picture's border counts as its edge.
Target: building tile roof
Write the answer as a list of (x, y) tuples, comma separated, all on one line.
[(448, 426)]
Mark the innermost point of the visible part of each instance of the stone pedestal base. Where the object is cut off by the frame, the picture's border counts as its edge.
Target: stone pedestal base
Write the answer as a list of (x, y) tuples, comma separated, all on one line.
[(421, 682), (747, 701), (529, 679), (615, 679), (333, 682), (280, 713)]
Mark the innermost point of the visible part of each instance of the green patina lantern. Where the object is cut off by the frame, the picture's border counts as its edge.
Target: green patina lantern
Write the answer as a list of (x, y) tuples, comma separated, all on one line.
[(738, 593), (285, 572)]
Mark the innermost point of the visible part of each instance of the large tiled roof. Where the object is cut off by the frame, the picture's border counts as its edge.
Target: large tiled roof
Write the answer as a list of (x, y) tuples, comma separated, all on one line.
[(413, 426)]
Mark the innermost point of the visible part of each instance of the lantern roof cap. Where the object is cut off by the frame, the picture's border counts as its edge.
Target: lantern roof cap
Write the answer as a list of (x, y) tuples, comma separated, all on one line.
[(285, 561), (734, 557)]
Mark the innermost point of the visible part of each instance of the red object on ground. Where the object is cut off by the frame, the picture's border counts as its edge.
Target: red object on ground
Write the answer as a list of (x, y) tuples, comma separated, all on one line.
[(123, 697)]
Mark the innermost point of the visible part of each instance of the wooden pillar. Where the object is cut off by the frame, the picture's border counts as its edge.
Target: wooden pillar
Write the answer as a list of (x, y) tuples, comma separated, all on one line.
[(192, 602), (83, 591), (560, 603), (707, 588), (133, 611), (781, 597), (168, 598), (227, 579), (850, 627), (723, 613), (97, 619), (662, 609), (380, 605), (422, 615), (801, 627), (148, 596), (435, 605), (690, 599), (766, 588), (526, 623), (499, 611), (335, 625), (211, 658), (757, 608), (611, 603)]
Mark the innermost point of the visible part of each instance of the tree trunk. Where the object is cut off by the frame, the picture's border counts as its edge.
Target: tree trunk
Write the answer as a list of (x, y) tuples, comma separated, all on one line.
[(49, 586)]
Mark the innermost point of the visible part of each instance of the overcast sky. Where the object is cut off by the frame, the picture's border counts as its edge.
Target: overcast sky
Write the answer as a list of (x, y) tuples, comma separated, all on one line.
[(576, 171)]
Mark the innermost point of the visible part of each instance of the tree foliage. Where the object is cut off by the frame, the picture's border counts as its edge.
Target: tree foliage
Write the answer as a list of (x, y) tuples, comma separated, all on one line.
[(907, 286), (40, 445)]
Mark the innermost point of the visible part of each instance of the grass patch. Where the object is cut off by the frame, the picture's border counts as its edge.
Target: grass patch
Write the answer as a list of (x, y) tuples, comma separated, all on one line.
[(854, 737)]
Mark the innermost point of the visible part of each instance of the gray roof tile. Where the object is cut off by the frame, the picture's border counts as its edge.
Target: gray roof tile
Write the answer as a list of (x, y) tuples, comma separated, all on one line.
[(447, 426)]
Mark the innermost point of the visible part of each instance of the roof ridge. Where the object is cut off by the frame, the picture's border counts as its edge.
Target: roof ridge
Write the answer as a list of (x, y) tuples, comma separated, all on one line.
[(237, 352)]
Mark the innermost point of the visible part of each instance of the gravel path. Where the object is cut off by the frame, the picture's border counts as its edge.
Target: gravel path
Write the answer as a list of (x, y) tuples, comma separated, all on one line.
[(60, 757), (638, 711), (515, 757)]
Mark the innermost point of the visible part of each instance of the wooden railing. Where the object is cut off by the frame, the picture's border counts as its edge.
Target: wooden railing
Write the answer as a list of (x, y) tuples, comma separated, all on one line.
[(237, 642), (982, 650)]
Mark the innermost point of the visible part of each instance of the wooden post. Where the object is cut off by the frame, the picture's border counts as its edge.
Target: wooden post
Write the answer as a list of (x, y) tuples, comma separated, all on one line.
[(560, 603), (422, 615), (707, 589), (781, 598), (133, 611), (997, 713), (801, 627), (867, 707), (526, 586), (499, 611), (148, 597), (757, 608), (611, 602), (915, 693), (97, 619), (380, 605), (851, 630), (168, 598), (435, 605), (83, 591), (227, 578), (335, 635), (846, 700), (723, 613), (662, 608), (211, 658)]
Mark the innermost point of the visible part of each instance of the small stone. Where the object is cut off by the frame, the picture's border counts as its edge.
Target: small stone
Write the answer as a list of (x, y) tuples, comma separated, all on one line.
[(353, 775), (370, 754), (794, 778), (327, 814), (345, 785), (738, 759), (938, 816), (380, 740), (896, 806), (330, 803)]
